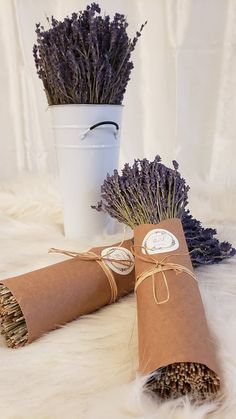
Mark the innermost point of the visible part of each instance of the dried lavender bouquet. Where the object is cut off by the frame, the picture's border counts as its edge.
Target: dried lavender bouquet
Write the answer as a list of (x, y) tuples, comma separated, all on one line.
[(86, 58), (178, 358), (203, 245), (37, 302)]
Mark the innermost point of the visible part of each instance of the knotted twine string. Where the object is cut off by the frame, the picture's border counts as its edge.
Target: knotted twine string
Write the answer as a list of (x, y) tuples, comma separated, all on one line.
[(101, 260), (159, 267)]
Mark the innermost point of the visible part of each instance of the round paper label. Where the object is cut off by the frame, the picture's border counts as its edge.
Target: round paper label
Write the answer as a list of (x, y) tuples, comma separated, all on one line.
[(159, 241), (118, 253)]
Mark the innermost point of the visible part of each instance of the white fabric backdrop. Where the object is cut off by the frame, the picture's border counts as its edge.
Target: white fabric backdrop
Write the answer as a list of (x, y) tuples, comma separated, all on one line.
[(180, 102)]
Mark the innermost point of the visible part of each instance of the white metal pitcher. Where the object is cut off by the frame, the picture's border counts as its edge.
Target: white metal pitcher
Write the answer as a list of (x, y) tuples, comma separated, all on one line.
[(87, 140)]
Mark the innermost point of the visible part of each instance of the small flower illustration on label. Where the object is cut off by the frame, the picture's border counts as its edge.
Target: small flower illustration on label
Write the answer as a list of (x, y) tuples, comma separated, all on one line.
[(112, 255), (159, 241)]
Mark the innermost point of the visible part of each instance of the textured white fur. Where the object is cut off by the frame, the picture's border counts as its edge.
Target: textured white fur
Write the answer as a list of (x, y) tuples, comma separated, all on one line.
[(86, 370)]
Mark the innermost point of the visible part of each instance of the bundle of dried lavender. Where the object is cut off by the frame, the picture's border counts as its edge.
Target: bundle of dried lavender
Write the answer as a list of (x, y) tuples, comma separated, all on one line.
[(147, 193), (12, 321), (184, 378), (86, 58), (133, 198)]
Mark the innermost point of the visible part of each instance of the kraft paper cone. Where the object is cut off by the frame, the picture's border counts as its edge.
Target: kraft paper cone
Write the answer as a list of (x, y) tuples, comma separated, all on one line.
[(57, 294), (175, 331)]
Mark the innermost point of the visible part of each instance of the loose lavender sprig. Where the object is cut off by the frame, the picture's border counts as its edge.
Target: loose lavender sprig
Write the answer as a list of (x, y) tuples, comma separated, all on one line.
[(86, 58), (148, 192)]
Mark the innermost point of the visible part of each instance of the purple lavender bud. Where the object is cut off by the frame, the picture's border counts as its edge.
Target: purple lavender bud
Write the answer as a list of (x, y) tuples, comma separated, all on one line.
[(175, 164)]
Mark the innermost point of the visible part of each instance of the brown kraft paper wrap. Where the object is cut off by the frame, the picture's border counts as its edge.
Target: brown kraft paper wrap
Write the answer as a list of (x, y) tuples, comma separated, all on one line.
[(57, 294), (175, 331)]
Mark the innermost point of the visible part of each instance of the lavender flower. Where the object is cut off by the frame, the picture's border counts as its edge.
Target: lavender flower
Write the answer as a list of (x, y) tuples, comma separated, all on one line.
[(86, 58), (148, 192), (205, 248)]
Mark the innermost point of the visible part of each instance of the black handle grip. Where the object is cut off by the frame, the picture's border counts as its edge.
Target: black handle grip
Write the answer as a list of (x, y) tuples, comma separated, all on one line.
[(104, 123)]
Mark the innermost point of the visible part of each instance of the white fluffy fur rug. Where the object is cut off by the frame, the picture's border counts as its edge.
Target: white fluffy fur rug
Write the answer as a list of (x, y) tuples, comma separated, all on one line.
[(86, 370)]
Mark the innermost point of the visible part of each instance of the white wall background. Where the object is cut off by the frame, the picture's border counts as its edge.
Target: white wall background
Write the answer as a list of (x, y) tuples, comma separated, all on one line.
[(180, 103)]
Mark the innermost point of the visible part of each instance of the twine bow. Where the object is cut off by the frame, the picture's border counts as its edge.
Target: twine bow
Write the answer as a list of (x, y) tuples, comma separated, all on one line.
[(101, 260), (160, 266)]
